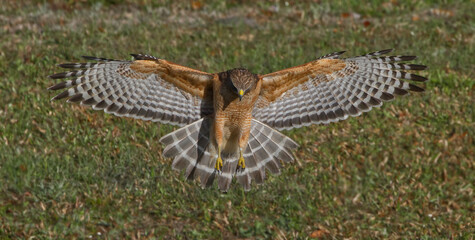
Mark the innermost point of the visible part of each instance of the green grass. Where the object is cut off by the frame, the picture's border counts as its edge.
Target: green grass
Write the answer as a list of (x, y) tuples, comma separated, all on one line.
[(405, 170)]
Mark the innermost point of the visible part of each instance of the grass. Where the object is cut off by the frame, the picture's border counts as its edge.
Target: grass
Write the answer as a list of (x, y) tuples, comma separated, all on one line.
[(405, 170)]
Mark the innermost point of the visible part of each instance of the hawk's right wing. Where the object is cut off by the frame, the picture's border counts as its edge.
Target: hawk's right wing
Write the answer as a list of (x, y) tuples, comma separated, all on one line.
[(147, 88)]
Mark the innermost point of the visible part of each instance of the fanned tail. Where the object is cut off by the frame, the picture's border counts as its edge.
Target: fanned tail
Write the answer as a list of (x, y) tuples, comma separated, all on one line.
[(195, 153)]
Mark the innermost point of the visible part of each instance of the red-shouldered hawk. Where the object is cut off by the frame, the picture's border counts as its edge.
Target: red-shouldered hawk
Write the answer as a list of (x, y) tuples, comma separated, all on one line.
[(230, 119)]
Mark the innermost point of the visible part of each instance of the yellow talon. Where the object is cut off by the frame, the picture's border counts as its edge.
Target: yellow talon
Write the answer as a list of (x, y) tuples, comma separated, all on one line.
[(219, 163), (241, 162)]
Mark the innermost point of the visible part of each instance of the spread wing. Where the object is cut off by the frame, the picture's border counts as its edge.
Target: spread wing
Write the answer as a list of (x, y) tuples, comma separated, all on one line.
[(147, 88), (330, 89)]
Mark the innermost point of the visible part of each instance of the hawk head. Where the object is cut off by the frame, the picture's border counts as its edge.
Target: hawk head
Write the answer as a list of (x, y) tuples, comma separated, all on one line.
[(241, 81)]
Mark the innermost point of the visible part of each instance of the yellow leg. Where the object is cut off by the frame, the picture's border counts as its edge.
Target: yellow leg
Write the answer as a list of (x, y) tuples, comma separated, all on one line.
[(219, 161), (241, 162)]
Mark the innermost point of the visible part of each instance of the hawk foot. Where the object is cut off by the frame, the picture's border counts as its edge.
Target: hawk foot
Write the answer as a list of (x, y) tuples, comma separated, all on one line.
[(241, 162), (219, 164)]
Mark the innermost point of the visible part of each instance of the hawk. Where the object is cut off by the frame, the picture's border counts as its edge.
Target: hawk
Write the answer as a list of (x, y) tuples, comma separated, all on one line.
[(230, 120)]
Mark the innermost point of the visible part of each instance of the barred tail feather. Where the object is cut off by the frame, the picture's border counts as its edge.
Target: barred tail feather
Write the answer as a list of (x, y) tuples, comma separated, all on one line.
[(252, 171), (190, 148), (266, 148), (230, 162), (194, 153)]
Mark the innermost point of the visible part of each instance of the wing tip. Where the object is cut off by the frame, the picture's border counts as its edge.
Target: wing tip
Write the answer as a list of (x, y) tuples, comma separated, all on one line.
[(63, 75), (60, 96), (405, 58), (416, 88), (386, 51), (418, 78), (99, 59), (58, 86), (139, 56), (417, 67), (67, 65), (54, 76), (90, 57)]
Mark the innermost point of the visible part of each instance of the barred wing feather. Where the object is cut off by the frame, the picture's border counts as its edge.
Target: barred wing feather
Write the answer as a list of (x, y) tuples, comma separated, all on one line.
[(147, 88), (330, 89)]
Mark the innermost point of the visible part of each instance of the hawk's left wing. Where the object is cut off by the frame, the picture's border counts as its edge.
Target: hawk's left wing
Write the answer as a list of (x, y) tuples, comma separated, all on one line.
[(331, 89), (147, 88)]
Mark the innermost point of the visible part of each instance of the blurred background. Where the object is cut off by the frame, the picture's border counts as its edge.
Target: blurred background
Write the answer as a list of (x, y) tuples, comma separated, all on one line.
[(405, 170)]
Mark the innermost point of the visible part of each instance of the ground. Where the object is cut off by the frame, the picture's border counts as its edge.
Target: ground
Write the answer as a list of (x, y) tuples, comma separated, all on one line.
[(405, 170)]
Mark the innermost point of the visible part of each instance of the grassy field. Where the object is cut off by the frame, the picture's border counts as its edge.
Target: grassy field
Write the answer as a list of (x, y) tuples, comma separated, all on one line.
[(405, 170)]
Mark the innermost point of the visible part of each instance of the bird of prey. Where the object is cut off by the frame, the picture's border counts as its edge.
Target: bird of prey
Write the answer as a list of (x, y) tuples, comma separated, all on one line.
[(230, 120)]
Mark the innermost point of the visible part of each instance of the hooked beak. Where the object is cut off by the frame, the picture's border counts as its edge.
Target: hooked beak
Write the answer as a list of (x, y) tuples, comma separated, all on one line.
[(241, 93)]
